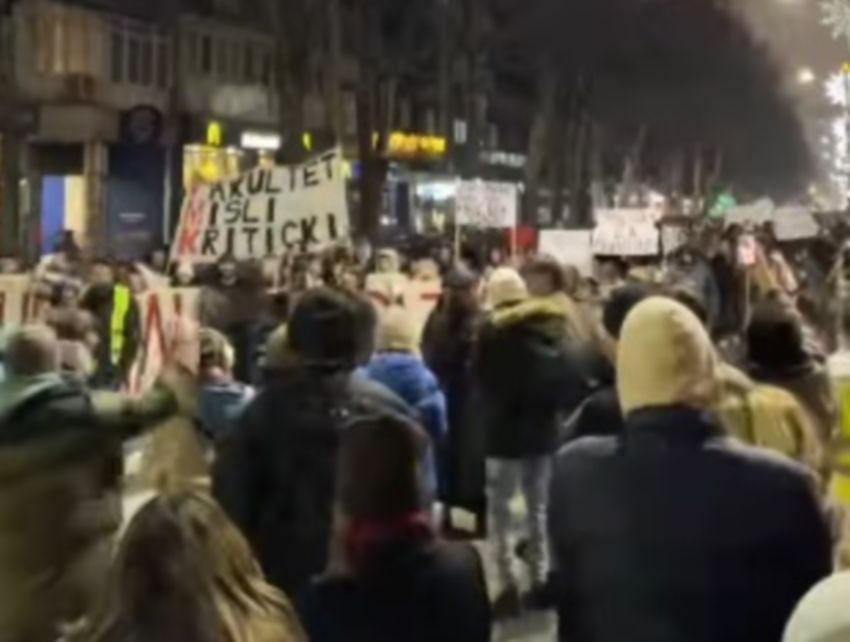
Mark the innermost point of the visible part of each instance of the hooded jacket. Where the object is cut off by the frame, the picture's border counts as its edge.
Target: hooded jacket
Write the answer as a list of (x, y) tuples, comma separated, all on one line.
[(275, 474), (60, 498), (672, 531), (528, 378)]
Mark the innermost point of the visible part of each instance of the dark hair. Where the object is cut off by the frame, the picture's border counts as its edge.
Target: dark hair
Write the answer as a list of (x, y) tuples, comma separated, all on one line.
[(691, 300), (379, 476), (328, 328), (775, 341), (620, 303)]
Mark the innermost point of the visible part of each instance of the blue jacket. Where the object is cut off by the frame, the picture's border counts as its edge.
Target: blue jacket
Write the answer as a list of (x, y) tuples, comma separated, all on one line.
[(409, 377), (220, 406)]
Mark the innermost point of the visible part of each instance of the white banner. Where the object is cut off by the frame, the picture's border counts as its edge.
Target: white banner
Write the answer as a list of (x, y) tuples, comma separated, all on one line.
[(486, 204), (794, 223), (570, 247), (626, 232), (266, 212)]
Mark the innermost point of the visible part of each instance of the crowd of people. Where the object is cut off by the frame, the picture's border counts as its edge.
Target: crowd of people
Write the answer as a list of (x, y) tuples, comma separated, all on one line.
[(637, 453)]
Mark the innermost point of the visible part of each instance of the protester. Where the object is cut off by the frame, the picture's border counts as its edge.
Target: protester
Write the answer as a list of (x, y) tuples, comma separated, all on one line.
[(527, 378), (74, 330), (117, 324), (398, 366), (222, 397), (60, 505), (391, 578), (184, 573), (447, 346), (693, 272), (600, 414), (777, 356), (275, 473), (546, 279), (671, 527)]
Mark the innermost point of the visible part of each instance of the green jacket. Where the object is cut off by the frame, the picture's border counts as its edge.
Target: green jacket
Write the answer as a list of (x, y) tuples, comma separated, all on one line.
[(60, 492)]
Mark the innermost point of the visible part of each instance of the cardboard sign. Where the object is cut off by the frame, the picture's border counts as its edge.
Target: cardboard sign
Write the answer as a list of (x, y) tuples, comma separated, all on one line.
[(418, 297), (158, 309), (19, 303), (794, 224), (486, 204), (570, 247), (266, 212)]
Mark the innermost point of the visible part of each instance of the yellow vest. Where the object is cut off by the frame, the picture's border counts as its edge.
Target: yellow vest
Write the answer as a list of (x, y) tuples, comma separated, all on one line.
[(839, 372), (118, 322)]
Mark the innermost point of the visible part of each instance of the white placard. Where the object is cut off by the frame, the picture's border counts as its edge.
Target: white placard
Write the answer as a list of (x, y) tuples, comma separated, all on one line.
[(570, 247), (794, 223), (672, 238), (627, 216), (626, 232), (266, 212), (755, 213), (486, 204)]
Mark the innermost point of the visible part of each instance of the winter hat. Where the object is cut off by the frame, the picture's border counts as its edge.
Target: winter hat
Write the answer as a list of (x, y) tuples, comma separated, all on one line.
[(665, 358), (822, 615), (775, 340), (505, 286), (324, 329), (397, 332), (621, 302)]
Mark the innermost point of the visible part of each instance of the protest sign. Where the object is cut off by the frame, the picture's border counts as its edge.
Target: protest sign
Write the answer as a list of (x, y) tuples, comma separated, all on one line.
[(673, 237), (159, 308), (417, 297), (626, 232), (755, 213), (19, 302), (486, 204), (794, 223), (266, 212), (570, 247)]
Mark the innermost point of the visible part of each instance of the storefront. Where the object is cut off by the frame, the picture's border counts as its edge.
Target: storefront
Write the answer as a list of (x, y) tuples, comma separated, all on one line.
[(217, 150)]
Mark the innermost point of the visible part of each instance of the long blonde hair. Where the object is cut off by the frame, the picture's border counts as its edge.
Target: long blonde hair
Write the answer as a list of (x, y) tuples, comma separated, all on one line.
[(184, 573)]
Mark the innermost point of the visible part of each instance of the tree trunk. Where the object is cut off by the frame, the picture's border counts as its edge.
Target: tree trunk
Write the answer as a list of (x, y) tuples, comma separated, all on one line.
[(473, 91), (540, 133), (333, 77), (444, 111)]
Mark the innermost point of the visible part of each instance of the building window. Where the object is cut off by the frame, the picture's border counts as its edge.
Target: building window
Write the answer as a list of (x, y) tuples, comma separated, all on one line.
[(248, 63), (146, 66), (221, 59), (116, 56), (206, 55), (266, 68), (162, 64), (134, 60)]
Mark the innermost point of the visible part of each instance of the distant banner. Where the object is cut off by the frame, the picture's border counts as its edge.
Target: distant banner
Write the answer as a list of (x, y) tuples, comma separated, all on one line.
[(626, 232), (570, 247), (266, 212), (755, 213), (795, 224), (486, 204)]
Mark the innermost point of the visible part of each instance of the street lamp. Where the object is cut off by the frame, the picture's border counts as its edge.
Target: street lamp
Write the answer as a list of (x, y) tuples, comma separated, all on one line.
[(805, 76)]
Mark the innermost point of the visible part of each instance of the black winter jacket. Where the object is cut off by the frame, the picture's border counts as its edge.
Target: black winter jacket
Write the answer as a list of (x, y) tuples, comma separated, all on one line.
[(423, 592), (528, 379), (674, 533), (276, 472)]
